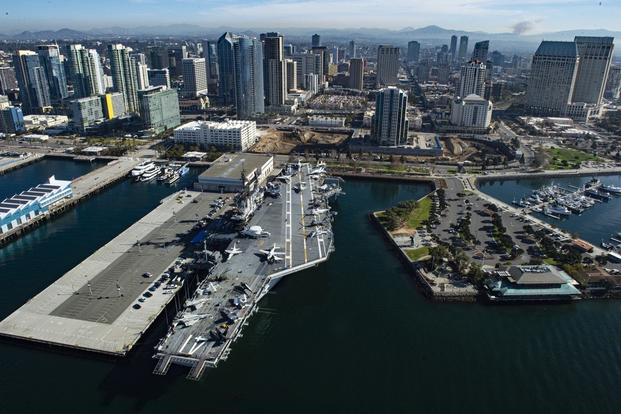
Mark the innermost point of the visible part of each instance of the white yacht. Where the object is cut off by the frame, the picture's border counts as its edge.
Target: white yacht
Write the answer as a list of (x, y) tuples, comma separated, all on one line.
[(142, 168), (150, 174)]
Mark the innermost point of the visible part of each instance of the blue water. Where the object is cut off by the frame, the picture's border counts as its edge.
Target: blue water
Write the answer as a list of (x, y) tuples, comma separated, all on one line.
[(597, 223), (353, 335), (38, 173)]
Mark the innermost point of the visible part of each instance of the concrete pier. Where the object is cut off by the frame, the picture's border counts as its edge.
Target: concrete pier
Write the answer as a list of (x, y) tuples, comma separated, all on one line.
[(93, 306), (8, 164)]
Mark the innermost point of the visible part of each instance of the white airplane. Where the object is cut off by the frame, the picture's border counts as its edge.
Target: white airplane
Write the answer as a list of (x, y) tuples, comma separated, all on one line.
[(272, 255), (255, 232), (285, 178), (317, 233), (233, 251), (318, 171), (317, 211)]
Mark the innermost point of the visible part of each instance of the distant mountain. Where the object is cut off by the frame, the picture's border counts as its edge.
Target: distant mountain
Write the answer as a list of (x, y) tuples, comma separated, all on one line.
[(431, 35), (62, 34)]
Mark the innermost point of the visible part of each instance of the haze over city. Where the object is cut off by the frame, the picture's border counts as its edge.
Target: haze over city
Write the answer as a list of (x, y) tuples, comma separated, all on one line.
[(522, 17)]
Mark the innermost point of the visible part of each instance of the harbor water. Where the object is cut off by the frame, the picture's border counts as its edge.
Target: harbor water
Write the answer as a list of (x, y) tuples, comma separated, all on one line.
[(353, 335)]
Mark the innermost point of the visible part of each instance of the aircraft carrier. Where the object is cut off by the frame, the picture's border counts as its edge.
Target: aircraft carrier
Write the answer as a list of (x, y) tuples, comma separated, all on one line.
[(287, 231)]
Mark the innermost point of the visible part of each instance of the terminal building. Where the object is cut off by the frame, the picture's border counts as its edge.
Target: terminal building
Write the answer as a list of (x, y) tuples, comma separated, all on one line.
[(20, 209), (232, 135), (532, 283), (234, 173)]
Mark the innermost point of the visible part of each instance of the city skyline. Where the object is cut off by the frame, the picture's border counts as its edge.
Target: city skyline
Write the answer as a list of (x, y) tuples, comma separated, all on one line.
[(523, 17)]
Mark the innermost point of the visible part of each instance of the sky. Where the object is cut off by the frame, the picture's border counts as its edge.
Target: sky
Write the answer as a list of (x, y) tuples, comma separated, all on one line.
[(523, 16)]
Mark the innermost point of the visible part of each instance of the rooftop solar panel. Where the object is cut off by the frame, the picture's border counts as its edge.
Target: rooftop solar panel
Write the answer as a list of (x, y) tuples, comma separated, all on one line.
[(4, 210), (34, 193), (17, 201), (24, 197), (45, 190), (48, 186), (8, 205)]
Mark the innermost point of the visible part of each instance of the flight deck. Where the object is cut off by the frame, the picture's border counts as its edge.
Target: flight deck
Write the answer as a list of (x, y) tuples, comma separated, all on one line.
[(295, 234)]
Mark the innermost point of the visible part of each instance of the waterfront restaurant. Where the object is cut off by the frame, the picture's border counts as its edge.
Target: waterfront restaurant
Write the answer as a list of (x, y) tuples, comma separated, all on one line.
[(531, 283)]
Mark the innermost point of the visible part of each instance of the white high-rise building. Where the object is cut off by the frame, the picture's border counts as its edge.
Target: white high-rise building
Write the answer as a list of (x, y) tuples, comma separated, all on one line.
[(387, 65), (390, 122), (233, 135), (472, 79), (142, 75), (194, 77), (311, 82), (552, 78), (472, 112)]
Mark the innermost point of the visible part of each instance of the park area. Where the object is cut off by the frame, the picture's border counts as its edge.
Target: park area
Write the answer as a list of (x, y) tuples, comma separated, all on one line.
[(567, 158), (406, 217)]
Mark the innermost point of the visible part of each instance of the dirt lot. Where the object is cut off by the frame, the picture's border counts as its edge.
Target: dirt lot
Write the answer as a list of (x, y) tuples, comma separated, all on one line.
[(281, 142)]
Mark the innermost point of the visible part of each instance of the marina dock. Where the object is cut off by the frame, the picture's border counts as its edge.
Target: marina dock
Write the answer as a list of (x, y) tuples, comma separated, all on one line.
[(91, 307)]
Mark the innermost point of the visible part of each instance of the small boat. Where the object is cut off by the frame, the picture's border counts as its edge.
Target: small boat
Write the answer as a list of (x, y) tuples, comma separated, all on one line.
[(173, 178), (611, 189)]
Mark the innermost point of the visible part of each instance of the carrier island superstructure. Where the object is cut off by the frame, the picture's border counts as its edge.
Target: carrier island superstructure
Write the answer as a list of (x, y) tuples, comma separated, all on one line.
[(218, 249)]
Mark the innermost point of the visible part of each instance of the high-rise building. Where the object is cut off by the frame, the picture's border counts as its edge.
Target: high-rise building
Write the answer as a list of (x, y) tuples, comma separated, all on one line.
[(194, 77), (85, 71), (351, 49), (124, 75), (289, 50), (480, 51), (356, 73), (52, 62), (472, 112), (390, 123), (413, 51), (595, 56), (613, 85), (552, 77), (8, 82), (158, 56), (210, 52), (292, 74), (463, 48), (387, 65), (86, 112), (142, 74), (159, 108), (226, 70), (176, 55), (316, 40), (159, 77), (11, 120), (34, 89), (311, 82), (453, 49), (248, 75), (274, 69), (322, 68), (113, 104), (472, 79), (306, 63)]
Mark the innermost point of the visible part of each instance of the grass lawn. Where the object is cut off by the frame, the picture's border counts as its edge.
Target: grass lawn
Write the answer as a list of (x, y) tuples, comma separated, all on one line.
[(415, 254), (419, 214), (567, 158), (550, 261)]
